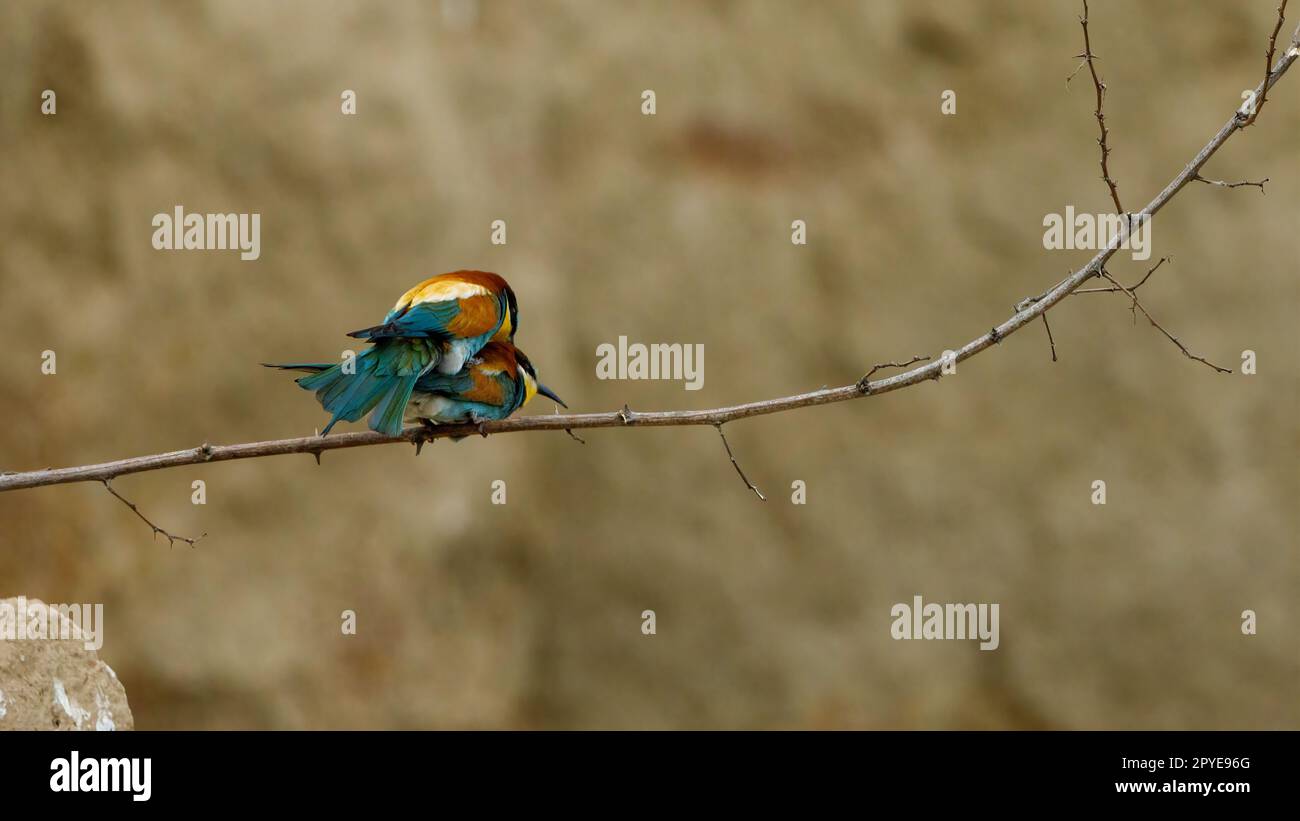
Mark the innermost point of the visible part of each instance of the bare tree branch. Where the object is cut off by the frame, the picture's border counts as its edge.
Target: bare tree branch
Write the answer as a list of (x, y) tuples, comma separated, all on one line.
[(1027, 311), (1222, 184), (1050, 340), (172, 538), (736, 465), (1137, 306), (1268, 62), (1114, 290), (865, 382), (1089, 59)]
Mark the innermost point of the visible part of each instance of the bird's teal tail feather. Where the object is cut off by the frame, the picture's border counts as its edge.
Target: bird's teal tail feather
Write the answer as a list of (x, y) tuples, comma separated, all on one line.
[(309, 367), (381, 380)]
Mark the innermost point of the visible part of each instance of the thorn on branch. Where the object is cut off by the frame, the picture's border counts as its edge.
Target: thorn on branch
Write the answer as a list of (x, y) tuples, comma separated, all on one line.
[(864, 384), (1222, 184), (575, 437), (422, 436), (1031, 300), (172, 539), (736, 465)]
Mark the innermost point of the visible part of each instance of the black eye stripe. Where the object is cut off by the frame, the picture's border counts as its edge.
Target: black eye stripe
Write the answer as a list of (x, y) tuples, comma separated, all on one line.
[(513, 307)]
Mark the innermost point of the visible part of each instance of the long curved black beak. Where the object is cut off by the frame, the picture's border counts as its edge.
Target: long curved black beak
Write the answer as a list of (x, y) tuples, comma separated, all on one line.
[(550, 394)]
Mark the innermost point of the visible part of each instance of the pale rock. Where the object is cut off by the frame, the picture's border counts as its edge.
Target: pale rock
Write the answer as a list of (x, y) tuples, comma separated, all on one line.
[(58, 685)]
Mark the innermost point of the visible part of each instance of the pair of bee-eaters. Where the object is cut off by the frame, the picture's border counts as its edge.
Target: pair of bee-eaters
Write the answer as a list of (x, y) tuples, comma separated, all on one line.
[(444, 354)]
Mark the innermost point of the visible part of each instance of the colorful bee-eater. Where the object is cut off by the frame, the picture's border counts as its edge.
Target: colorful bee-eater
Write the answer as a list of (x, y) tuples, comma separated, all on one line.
[(498, 381), (435, 328)]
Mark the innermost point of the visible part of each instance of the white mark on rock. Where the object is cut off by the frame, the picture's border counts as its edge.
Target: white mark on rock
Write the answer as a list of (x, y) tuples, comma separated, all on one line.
[(74, 711), (3, 708), (104, 716)]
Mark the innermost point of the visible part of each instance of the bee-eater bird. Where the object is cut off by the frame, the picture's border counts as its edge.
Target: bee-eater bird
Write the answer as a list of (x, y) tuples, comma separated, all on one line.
[(435, 327), (498, 381)]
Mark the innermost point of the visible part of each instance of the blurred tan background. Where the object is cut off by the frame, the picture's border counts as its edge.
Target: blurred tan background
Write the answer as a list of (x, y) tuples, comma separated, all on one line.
[(923, 231)]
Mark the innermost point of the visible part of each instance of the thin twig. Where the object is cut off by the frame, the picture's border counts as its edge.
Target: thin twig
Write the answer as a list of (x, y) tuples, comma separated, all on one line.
[(1030, 300), (1268, 64), (1138, 306), (1089, 58), (1077, 69), (1222, 184), (172, 538), (1050, 340), (736, 465), (865, 382), (1132, 289), (1141, 282)]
